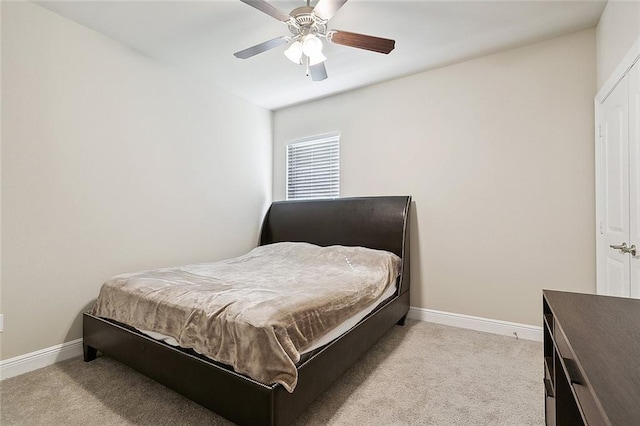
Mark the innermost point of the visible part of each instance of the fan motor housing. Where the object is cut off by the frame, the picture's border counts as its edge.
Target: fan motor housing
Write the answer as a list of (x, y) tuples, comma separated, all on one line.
[(306, 22), (302, 13)]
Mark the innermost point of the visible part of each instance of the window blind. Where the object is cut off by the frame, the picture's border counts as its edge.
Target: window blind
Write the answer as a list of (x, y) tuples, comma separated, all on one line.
[(313, 168)]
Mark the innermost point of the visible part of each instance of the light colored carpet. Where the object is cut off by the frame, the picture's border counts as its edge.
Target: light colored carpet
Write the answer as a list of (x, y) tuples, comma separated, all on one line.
[(419, 374)]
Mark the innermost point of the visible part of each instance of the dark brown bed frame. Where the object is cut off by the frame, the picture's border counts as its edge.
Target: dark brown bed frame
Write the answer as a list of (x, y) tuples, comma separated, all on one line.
[(374, 222)]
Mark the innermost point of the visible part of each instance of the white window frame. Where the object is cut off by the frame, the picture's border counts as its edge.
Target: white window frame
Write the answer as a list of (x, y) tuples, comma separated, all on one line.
[(328, 139)]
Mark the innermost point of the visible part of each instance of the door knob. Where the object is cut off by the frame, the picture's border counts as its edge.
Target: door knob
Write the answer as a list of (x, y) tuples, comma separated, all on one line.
[(622, 247)]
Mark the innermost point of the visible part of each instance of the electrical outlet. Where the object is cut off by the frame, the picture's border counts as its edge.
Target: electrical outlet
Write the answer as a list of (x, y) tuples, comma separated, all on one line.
[(1, 323)]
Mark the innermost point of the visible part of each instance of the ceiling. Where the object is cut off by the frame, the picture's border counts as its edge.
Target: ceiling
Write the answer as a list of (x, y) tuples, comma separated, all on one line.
[(201, 37)]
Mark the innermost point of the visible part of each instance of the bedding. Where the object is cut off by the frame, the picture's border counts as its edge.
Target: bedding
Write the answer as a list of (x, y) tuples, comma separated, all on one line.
[(327, 338), (257, 312)]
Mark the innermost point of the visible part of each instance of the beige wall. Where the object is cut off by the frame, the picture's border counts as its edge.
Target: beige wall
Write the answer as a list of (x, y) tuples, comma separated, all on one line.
[(498, 155), (617, 31), (112, 162), (0, 175)]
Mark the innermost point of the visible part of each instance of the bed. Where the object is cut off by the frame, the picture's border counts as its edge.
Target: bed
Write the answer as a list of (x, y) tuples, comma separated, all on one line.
[(379, 223)]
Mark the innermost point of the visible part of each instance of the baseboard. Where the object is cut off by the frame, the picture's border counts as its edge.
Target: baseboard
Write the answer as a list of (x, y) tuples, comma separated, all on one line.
[(521, 331), (32, 361)]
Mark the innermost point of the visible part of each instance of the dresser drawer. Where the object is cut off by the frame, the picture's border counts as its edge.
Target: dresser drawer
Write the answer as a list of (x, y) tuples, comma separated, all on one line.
[(587, 403), (561, 343), (550, 411)]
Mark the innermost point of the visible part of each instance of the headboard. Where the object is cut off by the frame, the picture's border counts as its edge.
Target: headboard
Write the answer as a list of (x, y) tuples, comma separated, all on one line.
[(375, 222)]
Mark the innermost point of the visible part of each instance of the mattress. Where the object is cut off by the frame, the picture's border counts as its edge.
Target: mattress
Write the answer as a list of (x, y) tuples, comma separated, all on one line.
[(258, 312)]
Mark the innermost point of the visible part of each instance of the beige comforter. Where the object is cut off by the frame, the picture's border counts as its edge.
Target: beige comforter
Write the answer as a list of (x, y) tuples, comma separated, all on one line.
[(256, 312)]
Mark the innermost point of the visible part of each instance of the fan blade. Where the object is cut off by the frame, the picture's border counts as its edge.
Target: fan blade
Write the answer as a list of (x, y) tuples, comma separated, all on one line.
[(361, 41), (267, 8), (325, 9), (318, 72), (262, 47)]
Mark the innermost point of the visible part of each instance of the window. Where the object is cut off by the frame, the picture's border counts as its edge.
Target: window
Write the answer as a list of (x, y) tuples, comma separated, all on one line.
[(313, 168)]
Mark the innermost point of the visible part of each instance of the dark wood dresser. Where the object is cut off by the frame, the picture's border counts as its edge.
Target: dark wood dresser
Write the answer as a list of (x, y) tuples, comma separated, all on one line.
[(591, 359)]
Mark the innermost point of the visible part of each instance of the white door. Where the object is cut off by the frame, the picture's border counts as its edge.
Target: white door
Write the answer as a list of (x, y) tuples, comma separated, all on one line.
[(614, 265), (634, 178)]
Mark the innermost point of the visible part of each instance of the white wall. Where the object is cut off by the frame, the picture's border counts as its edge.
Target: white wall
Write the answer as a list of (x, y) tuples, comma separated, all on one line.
[(112, 162), (617, 31), (498, 155)]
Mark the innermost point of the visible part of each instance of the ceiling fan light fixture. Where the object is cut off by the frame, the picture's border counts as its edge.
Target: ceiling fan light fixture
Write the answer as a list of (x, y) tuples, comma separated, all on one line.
[(311, 45), (317, 58), (294, 52)]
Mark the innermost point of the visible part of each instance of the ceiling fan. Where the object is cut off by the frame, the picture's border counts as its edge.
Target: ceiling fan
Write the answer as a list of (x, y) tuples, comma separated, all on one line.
[(308, 25)]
